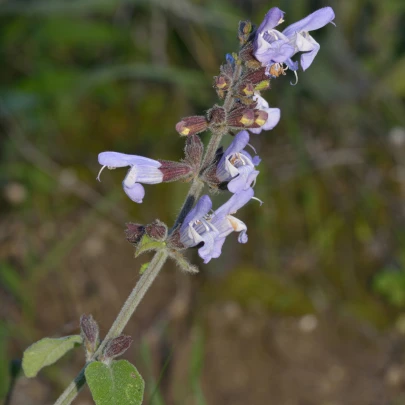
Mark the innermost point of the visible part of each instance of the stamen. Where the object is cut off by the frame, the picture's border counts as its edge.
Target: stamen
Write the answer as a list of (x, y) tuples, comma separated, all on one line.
[(204, 222), (296, 78), (260, 201), (254, 150), (98, 176)]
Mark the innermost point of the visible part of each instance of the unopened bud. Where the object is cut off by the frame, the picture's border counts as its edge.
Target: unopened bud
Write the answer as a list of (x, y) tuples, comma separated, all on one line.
[(217, 119), (173, 242), (244, 31), (246, 53), (242, 118), (116, 347), (221, 82), (247, 89), (134, 232), (263, 85), (194, 151), (216, 115), (156, 230), (90, 333), (191, 125), (260, 117), (174, 171), (248, 118), (255, 76)]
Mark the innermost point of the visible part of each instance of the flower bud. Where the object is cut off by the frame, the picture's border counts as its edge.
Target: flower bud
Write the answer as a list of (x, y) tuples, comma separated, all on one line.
[(246, 53), (134, 232), (194, 151), (247, 89), (263, 85), (116, 347), (156, 230), (174, 171), (260, 117), (191, 125), (90, 333), (244, 31), (217, 119), (216, 115), (241, 117), (221, 82), (173, 242), (255, 76)]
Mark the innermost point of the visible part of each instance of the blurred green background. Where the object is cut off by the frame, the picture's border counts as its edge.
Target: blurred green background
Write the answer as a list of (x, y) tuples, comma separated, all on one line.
[(312, 310)]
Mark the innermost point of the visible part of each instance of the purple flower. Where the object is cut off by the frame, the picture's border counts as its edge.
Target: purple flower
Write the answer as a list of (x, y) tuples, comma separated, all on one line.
[(143, 170), (273, 47), (273, 115), (237, 166), (212, 229), (197, 228)]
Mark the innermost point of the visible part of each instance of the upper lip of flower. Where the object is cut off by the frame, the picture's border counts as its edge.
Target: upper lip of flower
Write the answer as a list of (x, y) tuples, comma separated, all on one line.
[(272, 46), (199, 226), (142, 170)]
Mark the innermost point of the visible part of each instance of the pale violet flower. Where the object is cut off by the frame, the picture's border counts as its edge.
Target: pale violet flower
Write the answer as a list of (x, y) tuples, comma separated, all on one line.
[(272, 46), (273, 114), (142, 170), (211, 229), (237, 166)]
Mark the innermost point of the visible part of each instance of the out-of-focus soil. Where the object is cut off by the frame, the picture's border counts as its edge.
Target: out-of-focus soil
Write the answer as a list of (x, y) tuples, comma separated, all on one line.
[(221, 352)]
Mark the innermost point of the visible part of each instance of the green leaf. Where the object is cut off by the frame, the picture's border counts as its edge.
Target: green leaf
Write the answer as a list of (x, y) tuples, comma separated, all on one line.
[(116, 384), (47, 351), (147, 244)]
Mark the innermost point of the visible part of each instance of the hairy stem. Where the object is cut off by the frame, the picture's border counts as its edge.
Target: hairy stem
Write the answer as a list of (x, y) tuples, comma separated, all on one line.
[(157, 262), (120, 322)]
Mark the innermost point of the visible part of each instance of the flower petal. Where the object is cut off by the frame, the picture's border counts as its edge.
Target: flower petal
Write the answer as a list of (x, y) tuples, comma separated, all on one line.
[(116, 159), (244, 180), (308, 57), (204, 204), (236, 202), (143, 174), (217, 249), (275, 52), (314, 21), (135, 192), (273, 18), (273, 118)]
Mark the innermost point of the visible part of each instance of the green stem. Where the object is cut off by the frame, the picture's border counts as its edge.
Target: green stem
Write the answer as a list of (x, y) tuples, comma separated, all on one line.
[(155, 265), (120, 322)]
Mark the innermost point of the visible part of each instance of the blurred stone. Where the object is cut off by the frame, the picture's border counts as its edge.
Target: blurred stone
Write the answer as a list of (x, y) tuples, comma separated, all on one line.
[(395, 376), (67, 178), (397, 136), (400, 324), (15, 193), (336, 373), (93, 247), (232, 311), (308, 323)]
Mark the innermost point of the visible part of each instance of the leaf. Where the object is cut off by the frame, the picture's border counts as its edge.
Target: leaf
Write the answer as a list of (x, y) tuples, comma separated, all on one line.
[(47, 351), (115, 384), (147, 244)]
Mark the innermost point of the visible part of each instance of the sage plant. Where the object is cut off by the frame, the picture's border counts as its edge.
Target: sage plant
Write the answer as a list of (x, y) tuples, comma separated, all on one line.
[(232, 168)]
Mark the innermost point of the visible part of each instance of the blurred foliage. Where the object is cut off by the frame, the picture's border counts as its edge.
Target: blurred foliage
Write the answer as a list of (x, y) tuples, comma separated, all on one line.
[(80, 77)]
